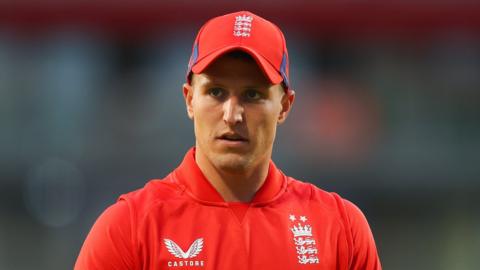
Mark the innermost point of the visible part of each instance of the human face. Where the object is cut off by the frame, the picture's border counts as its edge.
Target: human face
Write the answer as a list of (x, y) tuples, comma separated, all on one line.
[(235, 110)]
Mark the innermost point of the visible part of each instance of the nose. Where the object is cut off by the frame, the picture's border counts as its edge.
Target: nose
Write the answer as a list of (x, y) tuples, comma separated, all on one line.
[(232, 111)]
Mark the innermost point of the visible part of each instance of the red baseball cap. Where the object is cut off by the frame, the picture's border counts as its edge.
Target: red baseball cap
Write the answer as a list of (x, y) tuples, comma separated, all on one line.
[(245, 31)]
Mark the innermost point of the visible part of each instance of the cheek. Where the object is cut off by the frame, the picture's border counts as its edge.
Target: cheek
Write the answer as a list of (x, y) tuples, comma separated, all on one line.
[(270, 130), (264, 126), (205, 119)]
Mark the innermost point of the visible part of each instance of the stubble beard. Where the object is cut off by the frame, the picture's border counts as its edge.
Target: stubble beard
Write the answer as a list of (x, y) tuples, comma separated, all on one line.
[(232, 162)]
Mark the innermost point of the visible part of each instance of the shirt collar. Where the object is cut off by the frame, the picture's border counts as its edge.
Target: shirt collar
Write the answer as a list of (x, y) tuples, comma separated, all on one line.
[(189, 175)]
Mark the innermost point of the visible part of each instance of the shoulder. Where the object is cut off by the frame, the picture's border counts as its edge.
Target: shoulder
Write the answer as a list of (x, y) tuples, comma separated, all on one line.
[(360, 241), (329, 203), (358, 224), (155, 192), (314, 194), (111, 241), (355, 215)]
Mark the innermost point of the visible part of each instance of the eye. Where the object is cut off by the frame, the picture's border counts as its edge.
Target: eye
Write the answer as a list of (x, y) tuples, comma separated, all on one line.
[(252, 94), (215, 92)]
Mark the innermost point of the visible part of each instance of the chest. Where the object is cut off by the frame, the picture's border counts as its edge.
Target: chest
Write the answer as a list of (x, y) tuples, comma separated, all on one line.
[(210, 237)]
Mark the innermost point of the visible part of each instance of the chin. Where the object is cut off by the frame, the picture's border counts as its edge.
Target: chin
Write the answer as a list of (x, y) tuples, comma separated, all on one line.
[(232, 162)]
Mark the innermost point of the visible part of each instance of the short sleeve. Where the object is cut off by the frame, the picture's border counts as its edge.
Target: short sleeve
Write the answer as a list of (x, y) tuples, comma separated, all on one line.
[(365, 256), (109, 244)]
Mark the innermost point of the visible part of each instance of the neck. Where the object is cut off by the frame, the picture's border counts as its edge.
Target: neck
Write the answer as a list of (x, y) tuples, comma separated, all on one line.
[(233, 185)]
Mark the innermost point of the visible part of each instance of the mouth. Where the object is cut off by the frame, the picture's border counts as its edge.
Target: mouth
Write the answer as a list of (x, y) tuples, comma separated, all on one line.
[(232, 137)]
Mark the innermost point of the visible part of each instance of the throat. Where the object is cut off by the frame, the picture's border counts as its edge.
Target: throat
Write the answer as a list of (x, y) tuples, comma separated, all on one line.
[(236, 188), (233, 186)]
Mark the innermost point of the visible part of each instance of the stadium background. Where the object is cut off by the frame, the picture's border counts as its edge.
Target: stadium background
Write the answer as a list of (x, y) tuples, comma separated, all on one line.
[(387, 114)]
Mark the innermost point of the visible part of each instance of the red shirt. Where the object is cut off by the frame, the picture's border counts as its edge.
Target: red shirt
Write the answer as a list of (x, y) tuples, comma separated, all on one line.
[(182, 222)]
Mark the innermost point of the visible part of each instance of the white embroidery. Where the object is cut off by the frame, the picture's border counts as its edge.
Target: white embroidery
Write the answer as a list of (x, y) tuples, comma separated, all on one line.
[(242, 26), (303, 239), (176, 251), (301, 231)]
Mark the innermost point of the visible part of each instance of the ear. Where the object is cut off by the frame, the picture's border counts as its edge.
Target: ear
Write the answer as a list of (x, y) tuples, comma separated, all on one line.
[(287, 103), (188, 95)]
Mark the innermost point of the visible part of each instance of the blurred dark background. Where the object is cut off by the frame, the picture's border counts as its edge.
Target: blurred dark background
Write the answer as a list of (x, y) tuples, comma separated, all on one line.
[(387, 114)]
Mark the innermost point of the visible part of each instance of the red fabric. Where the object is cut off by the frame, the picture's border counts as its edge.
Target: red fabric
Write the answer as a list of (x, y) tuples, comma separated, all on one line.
[(263, 41), (182, 215), (190, 177), (239, 209)]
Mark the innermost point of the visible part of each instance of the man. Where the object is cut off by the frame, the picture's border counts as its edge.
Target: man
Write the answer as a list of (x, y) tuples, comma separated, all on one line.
[(227, 206)]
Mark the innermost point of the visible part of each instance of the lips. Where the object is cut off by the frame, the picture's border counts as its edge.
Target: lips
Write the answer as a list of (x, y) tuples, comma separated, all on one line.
[(233, 137)]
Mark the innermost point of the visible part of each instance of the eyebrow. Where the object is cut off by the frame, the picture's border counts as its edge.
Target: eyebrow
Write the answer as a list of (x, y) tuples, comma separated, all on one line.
[(210, 83), (215, 81)]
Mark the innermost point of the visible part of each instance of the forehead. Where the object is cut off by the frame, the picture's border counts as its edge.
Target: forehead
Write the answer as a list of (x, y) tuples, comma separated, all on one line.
[(233, 68)]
